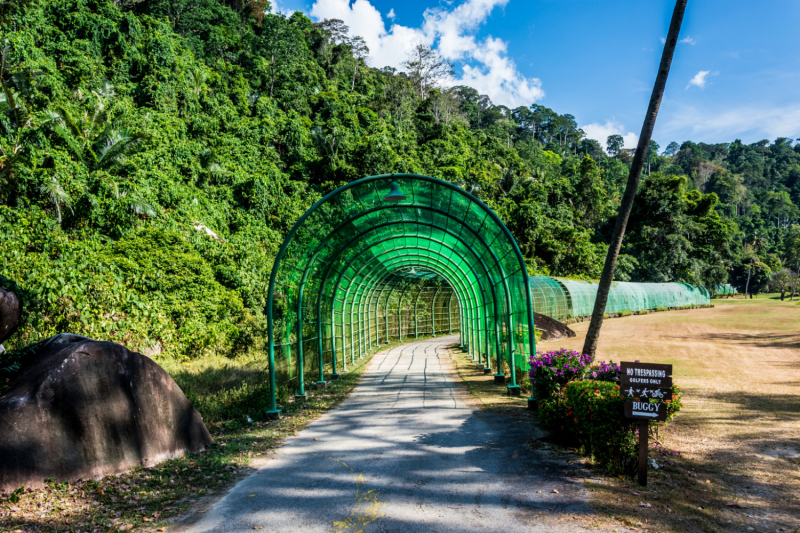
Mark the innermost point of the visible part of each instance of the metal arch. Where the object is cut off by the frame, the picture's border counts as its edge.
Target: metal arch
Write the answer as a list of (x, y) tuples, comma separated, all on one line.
[(454, 285), (424, 237), (477, 278), (417, 222), (345, 302), (416, 311), (457, 281), (450, 315), (346, 248), (284, 246), (433, 310), (491, 284), (404, 259)]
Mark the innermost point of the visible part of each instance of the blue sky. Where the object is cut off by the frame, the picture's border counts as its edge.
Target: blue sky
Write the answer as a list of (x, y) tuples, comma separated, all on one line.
[(736, 73)]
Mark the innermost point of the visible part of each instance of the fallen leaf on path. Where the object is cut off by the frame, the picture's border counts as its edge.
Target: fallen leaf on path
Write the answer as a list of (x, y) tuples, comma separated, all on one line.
[(645, 505), (251, 495), (538, 492), (554, 490), (256, 527), (126, 527), (201, 512)]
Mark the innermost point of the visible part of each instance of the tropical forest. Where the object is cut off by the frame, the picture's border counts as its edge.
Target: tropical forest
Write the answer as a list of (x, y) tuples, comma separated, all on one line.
[(154, 153)]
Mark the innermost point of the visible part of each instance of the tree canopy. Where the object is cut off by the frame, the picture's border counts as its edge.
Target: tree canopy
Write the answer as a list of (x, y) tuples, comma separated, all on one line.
[(154, 153)]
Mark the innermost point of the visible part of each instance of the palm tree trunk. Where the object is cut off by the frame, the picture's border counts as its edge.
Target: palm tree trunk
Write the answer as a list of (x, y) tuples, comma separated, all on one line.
[(593, 335), (747, 285)]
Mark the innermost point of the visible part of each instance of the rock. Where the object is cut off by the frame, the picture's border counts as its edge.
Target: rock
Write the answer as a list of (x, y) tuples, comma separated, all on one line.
[(552, 329), (82, 408), (10, 313)]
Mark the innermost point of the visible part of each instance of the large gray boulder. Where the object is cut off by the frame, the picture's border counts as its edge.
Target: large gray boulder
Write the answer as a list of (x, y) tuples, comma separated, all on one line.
[(552, 329), (82, 408), (10, 313)]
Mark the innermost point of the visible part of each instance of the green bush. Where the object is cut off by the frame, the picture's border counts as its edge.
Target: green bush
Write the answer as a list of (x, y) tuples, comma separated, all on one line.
[(590, 416), (599, 426), (624, 313)]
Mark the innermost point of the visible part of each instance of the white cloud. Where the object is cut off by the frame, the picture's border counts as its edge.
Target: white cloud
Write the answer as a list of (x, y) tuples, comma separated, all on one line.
[(278, 9), (685, 40), (747, 122), (485, 63), (699, 79), (391, 14), (601, 132)]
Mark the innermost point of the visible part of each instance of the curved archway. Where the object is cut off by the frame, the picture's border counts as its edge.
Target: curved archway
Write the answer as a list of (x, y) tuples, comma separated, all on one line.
[(389, 234)]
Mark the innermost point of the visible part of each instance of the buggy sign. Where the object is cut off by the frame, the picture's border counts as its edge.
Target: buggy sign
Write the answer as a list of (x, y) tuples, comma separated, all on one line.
[(644, 410), (648, 385)]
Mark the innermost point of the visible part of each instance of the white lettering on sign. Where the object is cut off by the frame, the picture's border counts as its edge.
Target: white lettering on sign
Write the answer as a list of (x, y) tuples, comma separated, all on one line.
[(646, 373), (646, 409), (644, 381)]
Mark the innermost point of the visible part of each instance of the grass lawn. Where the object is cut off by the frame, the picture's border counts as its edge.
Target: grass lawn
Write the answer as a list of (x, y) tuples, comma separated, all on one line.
[(738, 435)]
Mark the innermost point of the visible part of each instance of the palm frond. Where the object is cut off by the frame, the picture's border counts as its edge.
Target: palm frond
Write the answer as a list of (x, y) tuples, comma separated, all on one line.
[(115, 144), (140, 206), (55, 192)]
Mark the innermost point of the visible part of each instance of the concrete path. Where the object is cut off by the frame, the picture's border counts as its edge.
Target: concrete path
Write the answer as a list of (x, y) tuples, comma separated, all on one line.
[(405, 453)]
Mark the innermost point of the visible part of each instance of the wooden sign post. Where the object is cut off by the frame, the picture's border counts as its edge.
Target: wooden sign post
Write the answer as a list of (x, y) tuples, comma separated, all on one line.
[(644, 383)]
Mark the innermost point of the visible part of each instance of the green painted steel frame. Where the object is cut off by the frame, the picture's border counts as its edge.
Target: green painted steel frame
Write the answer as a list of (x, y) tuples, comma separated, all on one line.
[(418, 259)]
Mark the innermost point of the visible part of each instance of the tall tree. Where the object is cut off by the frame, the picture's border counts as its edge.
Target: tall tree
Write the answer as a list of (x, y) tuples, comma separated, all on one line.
[(593, 335), (360, 50), (614, 144), (672, 149), (427, 68), (756, 246)]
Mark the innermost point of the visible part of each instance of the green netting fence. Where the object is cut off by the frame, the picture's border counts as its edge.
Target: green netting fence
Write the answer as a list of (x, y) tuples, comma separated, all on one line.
[(723, 290), (564, 299)]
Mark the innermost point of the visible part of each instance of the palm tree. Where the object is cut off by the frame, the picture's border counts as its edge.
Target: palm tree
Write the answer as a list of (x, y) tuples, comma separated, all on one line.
[(593, 335), (94, 134), (56, 193)]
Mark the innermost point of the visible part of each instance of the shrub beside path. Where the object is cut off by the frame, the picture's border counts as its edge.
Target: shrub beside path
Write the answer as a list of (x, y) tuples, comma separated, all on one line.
[(405, 453)]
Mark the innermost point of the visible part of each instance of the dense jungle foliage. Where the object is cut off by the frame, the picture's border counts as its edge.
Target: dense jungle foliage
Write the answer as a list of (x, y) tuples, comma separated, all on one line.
[(153, 154)]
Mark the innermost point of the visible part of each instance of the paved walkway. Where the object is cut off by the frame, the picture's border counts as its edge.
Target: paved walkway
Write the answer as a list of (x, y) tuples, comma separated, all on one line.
[(404, 453)]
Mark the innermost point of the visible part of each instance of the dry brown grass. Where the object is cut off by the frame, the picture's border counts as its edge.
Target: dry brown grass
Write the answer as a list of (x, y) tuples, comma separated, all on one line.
[(739, 367)]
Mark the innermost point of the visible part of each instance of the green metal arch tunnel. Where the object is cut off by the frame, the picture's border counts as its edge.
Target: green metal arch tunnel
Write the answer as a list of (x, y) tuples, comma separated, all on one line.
[(391, 257)]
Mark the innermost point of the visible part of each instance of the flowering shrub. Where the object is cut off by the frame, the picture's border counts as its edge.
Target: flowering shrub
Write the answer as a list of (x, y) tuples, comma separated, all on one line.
[(604, 372), (550, 371), (589, 414)]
